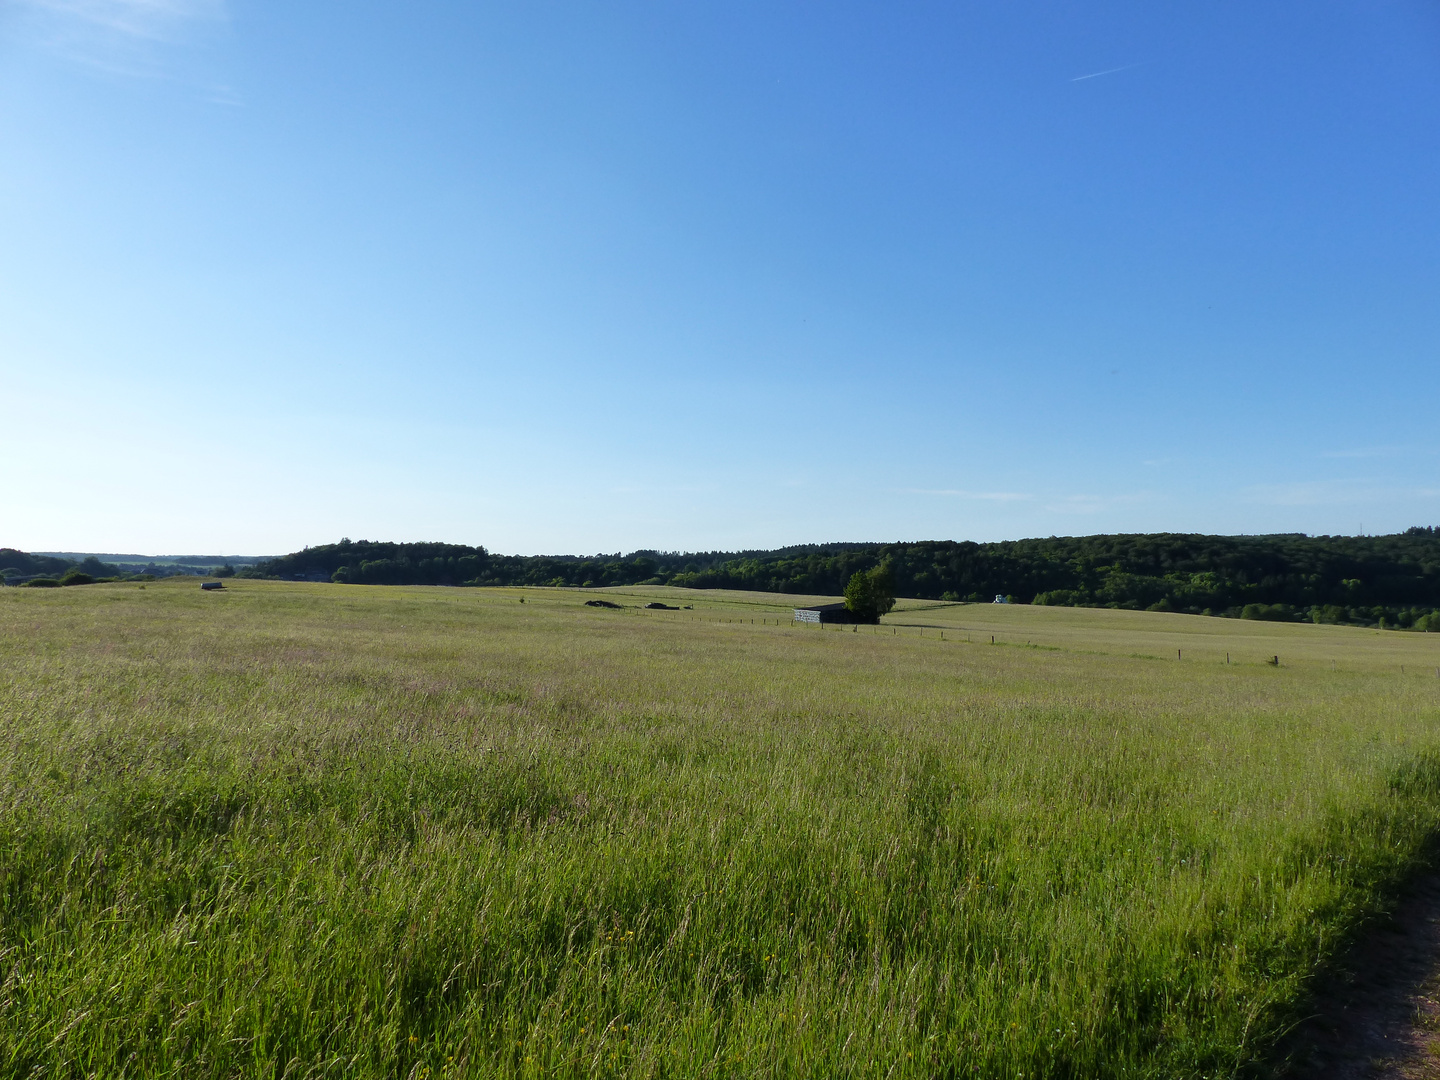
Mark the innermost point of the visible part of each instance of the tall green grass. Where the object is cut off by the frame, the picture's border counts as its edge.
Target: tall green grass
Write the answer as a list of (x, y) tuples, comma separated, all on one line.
[(313, 830)]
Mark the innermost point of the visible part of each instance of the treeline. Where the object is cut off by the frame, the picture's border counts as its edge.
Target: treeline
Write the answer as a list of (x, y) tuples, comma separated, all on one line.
[(21, 564), (24, 568), (1391, 581)]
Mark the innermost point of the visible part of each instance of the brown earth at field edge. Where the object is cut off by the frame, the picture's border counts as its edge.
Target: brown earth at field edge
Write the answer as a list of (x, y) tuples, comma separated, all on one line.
[(1378, 1015)]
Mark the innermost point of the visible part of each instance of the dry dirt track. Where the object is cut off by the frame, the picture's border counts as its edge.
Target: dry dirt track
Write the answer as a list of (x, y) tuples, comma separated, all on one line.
[(1380, 1017)]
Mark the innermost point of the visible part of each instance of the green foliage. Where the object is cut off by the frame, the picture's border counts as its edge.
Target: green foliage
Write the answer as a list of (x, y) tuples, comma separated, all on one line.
[(1268, 612), (42, 583), (365, 563), (19, 565), (870, 594), (26, 565)]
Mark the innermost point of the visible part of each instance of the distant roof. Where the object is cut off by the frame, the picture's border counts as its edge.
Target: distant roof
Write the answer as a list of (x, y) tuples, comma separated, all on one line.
[(824, 607)]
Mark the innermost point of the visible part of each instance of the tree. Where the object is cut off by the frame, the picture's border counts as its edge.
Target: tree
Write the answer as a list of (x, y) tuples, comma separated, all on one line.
[(870, 593)]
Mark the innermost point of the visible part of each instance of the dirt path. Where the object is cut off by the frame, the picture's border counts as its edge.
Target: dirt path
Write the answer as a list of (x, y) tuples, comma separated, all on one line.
[(1380, 1018)]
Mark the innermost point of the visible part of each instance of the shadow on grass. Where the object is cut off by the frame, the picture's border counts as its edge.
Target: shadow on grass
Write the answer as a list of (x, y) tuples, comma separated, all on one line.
[(1376, 1010)]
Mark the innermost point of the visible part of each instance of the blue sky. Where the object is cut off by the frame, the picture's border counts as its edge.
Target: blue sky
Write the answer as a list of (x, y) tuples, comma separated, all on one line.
[(594, 277)]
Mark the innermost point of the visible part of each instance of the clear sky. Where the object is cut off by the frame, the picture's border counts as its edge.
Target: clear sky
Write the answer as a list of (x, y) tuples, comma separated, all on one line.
[(580, 277)]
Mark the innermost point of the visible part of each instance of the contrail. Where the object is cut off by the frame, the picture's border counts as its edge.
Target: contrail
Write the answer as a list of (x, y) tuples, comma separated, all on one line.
[(1107, 71)]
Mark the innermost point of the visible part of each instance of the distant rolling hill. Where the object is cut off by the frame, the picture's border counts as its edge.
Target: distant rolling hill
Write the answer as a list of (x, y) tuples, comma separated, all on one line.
[(16, 567), (1391, 581)]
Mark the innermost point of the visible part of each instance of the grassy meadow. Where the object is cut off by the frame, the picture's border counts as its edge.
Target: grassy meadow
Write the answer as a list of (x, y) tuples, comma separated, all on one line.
[(294, 830)]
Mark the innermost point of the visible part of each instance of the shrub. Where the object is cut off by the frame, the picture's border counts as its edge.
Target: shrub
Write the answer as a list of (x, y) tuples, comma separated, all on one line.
[(75, 577), (1268, 612), (870, 594), (42, 583), (1061, 598)]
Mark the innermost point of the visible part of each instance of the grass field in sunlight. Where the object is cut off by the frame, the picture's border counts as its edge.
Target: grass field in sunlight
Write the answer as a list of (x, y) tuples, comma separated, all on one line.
[(311, 830)]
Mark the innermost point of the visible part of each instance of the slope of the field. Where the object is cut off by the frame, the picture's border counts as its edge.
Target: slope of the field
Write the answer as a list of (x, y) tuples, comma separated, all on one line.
[(1158, 635), (293, 829)]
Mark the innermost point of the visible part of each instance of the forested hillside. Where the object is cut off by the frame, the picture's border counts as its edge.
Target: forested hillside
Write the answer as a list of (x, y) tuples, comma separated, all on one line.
[(1390, 580), (17, 567), (22, 564), (22, 567)]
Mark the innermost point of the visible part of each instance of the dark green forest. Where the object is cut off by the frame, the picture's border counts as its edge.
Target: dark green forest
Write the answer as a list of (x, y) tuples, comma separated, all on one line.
[(1388, 581), (27, 568), (19, 567), (15, 564)]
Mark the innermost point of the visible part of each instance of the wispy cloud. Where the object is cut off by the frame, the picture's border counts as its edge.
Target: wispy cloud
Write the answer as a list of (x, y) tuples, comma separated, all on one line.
[(136, 38), (153, 20), (1108, 71), (989, 496), (1336, 493), (640, 488), (1363, 452), (1093, 504)]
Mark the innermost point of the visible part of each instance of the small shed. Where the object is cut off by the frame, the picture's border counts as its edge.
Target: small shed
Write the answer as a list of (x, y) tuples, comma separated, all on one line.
[(825, 613)]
